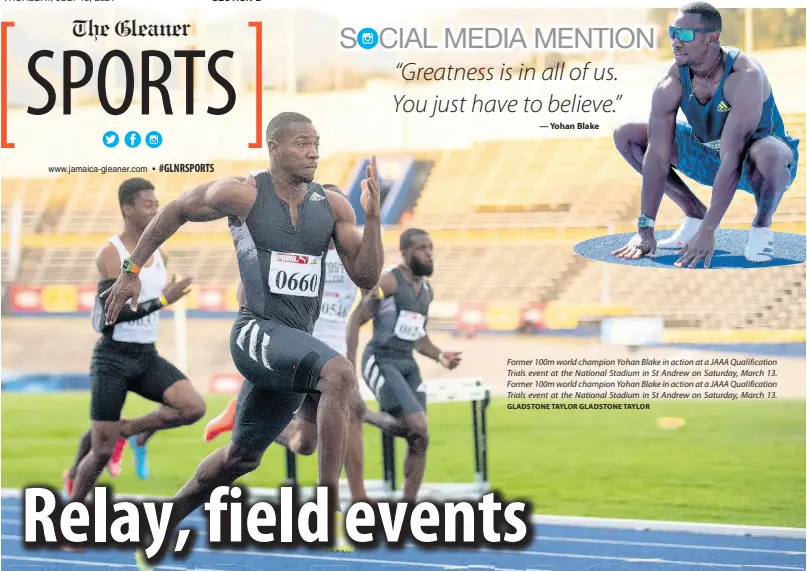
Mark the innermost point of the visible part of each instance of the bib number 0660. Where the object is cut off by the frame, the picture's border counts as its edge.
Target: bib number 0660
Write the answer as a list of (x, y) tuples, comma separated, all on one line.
[(306, 283)]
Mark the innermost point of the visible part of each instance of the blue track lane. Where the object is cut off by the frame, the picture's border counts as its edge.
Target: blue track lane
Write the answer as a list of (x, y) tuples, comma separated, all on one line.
[(554, 548)]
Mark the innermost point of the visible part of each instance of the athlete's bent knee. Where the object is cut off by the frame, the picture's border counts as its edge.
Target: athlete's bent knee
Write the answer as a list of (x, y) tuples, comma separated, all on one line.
[(771, 164), (102, 456), (629, 133), (418, 441), (337, 377), (240, 462), (103, 441), (417, 435), (307, 446), (193, 411)]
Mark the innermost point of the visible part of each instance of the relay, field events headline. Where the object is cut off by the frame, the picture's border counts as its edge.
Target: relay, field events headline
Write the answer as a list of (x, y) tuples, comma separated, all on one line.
[(232, 520)]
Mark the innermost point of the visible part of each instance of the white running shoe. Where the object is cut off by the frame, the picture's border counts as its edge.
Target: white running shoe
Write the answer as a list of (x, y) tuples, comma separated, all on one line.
[(680, 237), (142, 563), (759, 247), (342, 544)]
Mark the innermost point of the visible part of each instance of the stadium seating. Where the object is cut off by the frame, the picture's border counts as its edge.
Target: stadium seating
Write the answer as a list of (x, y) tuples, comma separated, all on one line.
[(492, 187), (527, 184), (725, 299)]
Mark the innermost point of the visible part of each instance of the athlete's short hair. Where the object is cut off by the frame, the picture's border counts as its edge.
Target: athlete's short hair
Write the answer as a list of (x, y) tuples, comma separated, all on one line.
[(408, 234), (130, 188), (710, 17), (279, 123)]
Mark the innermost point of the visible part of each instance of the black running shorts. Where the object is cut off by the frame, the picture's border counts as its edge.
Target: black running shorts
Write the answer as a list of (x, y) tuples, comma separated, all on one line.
[(118, 368), (280, 366), (395, 382)]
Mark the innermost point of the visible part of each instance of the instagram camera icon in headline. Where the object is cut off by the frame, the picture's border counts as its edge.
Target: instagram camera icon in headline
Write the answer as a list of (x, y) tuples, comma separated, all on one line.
[(368, 38), (154, 139)]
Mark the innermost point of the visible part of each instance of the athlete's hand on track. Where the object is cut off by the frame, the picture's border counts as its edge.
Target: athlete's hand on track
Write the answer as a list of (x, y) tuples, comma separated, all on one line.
[(701, 247), (176, 290), (450, 359), (642, 244), (125, 288), (371, 191)]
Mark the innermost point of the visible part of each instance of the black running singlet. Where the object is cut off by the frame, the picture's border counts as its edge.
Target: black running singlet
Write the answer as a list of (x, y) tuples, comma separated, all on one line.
[(282, 267), (401, 318)]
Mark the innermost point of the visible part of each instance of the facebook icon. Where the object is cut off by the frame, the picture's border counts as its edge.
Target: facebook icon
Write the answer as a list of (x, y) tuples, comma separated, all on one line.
[(132, 139)]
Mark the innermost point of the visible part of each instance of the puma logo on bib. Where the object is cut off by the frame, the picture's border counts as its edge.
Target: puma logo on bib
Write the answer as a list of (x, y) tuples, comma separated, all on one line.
[(410, 326), (295, 274)]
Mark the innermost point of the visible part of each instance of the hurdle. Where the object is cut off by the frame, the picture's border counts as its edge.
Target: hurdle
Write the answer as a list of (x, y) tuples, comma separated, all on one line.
[(471, 390)]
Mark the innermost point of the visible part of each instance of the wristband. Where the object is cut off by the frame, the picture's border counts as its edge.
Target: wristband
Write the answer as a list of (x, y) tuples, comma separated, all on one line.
[(646, 222), (163, 300), (130, 266)]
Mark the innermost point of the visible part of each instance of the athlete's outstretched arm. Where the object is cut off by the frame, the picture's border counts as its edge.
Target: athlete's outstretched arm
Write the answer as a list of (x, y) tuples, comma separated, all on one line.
[(448, 359), (210, 201), (660, 139), (108, 264), (361, 254), (359, 317), (743, 118), (428, 349), (365, 311), (425, 346), (656, 163)]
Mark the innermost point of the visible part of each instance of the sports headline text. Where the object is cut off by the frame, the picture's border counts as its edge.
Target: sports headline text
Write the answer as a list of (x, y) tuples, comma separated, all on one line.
[(233, 520)]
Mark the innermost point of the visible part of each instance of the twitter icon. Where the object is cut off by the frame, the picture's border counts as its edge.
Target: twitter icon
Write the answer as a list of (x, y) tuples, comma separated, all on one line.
[(110, 139), (132, 139)]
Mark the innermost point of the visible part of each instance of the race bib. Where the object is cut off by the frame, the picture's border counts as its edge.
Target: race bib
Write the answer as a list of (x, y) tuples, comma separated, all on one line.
[(334, 308), (295, 274), (410, 326)]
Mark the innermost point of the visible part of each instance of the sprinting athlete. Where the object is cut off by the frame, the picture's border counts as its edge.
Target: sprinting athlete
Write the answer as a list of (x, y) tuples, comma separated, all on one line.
[(125, 358), (733, 137), (282, 225), (400, 312), (300, 436)]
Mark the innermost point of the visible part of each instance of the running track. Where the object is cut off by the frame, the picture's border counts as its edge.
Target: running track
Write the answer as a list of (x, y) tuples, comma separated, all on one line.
[(554, 548)]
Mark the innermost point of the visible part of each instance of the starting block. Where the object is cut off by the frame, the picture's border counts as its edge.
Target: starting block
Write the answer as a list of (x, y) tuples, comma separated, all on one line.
[(451, 390)]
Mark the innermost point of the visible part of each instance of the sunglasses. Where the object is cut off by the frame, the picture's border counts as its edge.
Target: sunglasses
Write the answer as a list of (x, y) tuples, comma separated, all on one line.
[(686, 34)]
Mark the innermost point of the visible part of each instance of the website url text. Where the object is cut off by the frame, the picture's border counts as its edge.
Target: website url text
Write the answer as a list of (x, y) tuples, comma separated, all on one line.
[(96, 169)]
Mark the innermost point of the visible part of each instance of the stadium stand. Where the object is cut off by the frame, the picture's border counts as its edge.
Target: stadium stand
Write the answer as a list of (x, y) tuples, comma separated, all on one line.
[(726, 299), (525, 184), (492, 187)]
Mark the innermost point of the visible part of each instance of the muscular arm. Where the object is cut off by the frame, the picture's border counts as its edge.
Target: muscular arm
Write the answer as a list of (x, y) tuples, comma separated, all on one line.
[(210, 201), (660, 138), (361, 254), (745, 98), (364, 312), (427, 348), (107, 263), (359, 317)]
